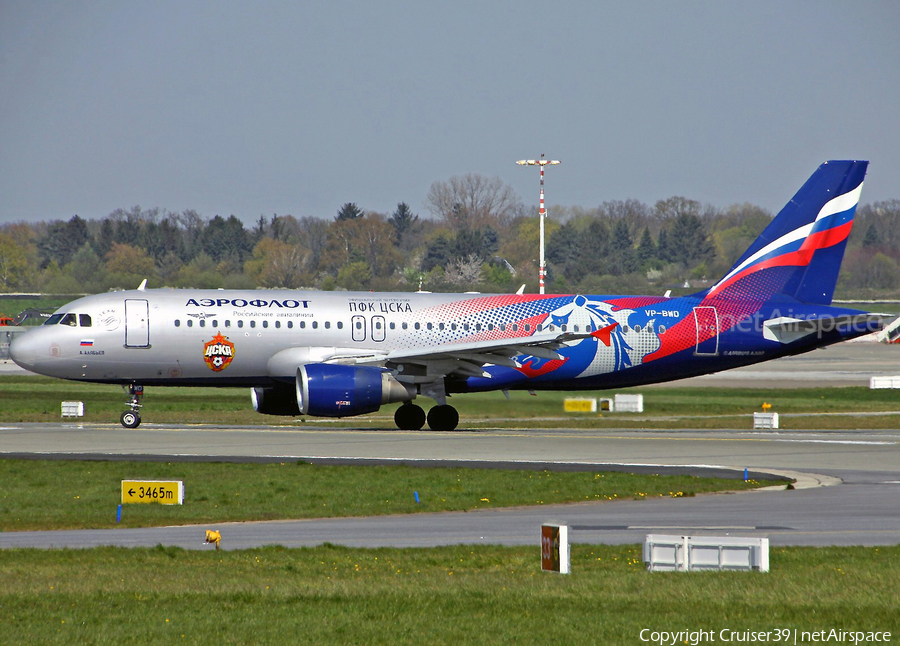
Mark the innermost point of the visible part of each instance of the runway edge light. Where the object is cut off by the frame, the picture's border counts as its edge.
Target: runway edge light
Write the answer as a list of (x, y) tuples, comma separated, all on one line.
[(555, 548)]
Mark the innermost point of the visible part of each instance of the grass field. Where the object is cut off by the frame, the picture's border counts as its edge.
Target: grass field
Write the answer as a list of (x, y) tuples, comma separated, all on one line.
[(450, 595), (37, 399), (63, 494)]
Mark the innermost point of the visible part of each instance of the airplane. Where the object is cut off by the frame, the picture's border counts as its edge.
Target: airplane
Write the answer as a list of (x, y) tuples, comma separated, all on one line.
[(340, 354)]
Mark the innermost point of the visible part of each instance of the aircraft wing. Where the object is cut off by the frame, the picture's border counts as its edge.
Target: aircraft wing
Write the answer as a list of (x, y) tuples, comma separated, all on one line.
[(469, 359), (786, 330)]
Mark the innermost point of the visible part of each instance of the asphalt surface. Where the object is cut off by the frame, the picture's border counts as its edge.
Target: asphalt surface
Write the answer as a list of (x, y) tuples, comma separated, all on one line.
[(848, 490), (848, 483)]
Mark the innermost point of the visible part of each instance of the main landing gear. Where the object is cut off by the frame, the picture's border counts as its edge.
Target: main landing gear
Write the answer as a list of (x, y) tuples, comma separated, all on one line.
[(132, 418), (411, 417)]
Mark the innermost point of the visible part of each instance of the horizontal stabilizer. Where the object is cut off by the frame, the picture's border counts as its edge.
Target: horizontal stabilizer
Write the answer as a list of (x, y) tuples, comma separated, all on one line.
[(787, 330)]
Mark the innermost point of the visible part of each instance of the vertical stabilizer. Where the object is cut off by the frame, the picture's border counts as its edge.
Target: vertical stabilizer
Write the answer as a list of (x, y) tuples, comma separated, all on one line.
[(799, 254)]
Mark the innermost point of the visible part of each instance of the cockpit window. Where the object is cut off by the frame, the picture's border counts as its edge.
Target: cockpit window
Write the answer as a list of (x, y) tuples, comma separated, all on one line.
[(69, 319), (84, 320), (53, 320)]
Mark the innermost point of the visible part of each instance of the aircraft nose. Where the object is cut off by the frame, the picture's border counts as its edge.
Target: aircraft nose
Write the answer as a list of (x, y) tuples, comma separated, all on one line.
[(22, 351)]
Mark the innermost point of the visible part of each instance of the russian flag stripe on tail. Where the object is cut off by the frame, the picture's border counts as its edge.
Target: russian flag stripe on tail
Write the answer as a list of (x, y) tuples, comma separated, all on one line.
[(799, 254)]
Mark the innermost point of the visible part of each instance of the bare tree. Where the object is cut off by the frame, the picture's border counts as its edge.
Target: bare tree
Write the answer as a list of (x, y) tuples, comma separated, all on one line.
[(472, 201)]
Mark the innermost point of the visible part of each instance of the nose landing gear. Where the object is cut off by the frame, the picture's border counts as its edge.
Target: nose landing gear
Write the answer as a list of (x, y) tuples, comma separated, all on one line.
[(132, 418)]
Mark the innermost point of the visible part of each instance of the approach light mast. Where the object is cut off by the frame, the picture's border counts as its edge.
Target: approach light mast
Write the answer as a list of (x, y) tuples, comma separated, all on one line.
[(542, 272)]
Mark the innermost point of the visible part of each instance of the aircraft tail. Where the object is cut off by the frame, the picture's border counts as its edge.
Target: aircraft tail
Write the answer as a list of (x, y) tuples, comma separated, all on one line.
[(799, 254)]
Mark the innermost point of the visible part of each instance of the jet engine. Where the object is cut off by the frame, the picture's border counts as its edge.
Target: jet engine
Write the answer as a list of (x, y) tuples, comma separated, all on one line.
[(275, 401), (334, 390)]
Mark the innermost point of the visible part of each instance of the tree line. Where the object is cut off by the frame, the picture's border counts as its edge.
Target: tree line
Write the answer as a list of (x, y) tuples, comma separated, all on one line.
[(480, 237)]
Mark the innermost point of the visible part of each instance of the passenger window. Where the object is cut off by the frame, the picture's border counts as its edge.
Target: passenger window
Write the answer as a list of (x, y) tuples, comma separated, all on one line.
[(662, 329), (490, 327), (69, 319), (84, 320), (265, 324), (440, 326), (202, 323), (503, 327), (340, 325), (315, 325), (290, 325), (418, 326), (277, 324), (177, 323), (227, 322), (190, 322), (392, 325), (327, 325), (405, 326), (215, 323), (302, 325), (528, 327), (241, 323), (430, 326)]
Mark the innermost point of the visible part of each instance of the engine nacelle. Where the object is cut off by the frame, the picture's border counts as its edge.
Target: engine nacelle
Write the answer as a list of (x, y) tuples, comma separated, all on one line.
[(333, 390), (275, 401)]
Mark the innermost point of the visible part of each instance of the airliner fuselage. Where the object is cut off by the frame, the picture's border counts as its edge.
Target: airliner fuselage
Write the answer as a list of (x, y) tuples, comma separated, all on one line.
[(346, 353)]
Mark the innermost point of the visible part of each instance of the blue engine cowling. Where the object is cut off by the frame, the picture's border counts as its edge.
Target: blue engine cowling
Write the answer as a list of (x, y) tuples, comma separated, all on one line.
[(334, 390)]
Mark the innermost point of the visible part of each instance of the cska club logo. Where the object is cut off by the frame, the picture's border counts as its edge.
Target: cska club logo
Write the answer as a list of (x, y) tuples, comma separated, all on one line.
[(218, 353)]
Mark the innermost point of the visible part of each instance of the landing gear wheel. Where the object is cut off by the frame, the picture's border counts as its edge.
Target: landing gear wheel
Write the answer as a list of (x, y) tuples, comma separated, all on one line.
[(130, 419), (409, 417), (443, 418)]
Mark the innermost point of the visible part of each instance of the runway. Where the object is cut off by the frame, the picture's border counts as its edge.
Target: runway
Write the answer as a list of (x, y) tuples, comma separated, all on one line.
[(849, 482)]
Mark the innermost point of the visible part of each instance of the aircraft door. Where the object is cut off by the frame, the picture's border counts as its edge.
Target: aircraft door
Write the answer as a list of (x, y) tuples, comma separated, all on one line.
[(378, 328), (707, 322), (358, 328), (137, 323)]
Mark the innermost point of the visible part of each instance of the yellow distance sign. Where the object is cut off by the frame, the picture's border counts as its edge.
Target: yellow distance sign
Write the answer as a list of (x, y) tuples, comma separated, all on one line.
[(164, 492), (580, 405)]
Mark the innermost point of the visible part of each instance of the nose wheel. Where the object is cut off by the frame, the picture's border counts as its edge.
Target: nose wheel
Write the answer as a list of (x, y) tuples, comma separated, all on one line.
[(132, 418)]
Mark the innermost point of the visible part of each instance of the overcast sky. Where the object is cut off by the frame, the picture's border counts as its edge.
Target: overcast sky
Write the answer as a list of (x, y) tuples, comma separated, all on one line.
[(297, 107)]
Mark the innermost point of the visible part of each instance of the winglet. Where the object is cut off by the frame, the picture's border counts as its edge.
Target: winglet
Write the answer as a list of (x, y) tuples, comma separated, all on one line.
[(143, 285)]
